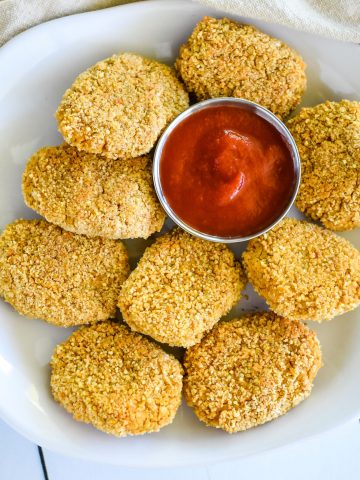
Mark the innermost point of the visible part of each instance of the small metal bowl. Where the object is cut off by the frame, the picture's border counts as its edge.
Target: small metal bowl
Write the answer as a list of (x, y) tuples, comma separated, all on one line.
[(244, 104)]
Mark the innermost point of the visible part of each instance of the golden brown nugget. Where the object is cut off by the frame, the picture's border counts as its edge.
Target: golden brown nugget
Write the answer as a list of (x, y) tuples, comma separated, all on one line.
[(117, 380), (93, 195), (303, 271), (180, 288), (57, 276), (250, 370), (328, 139), (119, 107), (223, 58)]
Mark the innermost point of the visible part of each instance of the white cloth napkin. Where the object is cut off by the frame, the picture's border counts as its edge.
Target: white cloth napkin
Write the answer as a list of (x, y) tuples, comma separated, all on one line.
[(338, 19), (18, 15)]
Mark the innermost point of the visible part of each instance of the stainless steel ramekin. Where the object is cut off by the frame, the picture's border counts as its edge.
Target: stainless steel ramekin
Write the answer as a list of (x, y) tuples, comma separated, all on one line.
[(247, 105)]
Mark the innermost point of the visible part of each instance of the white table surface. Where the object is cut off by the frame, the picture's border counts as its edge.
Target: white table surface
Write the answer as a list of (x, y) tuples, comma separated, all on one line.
[(334, 455)]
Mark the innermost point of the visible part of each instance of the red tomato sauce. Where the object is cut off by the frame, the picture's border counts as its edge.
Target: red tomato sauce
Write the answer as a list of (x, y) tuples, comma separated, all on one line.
[(225, 171)]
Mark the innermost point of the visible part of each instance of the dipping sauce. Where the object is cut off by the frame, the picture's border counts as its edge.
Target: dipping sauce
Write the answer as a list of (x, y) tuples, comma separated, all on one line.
[(226, 171)]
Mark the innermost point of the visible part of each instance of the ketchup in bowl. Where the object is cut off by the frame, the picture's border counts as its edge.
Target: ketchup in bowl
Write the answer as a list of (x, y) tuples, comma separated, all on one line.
[(226, 171)]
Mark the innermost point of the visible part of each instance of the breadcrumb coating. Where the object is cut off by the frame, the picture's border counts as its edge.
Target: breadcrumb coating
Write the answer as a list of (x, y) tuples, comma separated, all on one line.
[(223, 58), (303, 271), (251, 370), (92, 195), (119, 107), (328, 139), (57, 276), (180, 288), (117, 380)]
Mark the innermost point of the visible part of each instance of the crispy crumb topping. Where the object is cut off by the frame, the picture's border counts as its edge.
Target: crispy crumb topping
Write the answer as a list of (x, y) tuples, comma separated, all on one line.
[(303, 271), (119, 107), (328, 139), (180, 288), (117, 380), (223, 58), (92, 195), (60, 277), (251, 370)]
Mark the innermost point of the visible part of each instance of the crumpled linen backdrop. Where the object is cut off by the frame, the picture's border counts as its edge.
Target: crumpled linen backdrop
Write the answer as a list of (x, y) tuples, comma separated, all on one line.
[(339, 19)]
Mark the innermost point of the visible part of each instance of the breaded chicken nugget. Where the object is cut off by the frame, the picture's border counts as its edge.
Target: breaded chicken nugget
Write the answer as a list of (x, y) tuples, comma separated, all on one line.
[(251, 370), (57, 276), (328, 139), (223, 58), (92, 195), (117, 380), (303, 271), (119, 107), (180, 288)]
